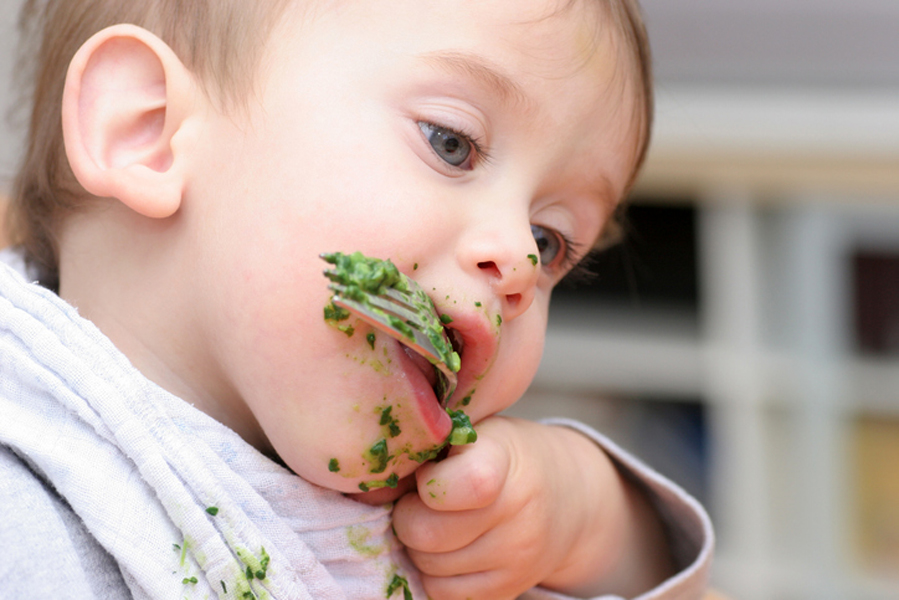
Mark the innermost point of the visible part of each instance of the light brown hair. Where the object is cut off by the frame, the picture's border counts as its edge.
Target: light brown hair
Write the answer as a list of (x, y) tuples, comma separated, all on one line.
[(629, 19), (221, 42)]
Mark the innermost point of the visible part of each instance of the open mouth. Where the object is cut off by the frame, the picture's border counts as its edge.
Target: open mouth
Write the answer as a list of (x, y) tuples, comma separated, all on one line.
[(455, 339), (424, 365)]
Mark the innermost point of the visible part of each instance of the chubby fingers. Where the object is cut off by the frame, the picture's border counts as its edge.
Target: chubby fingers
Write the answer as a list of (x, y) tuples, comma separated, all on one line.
[(471, 477), (482, 521), (491, 551), (422, 529), (487, 568), (456, 499), (473, 586)]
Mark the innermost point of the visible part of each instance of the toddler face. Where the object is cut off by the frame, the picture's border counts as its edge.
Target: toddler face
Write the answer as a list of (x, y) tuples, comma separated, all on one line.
[(460, 140)]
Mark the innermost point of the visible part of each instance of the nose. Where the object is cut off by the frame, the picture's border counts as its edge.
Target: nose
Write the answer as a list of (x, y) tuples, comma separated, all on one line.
[(503, 254)]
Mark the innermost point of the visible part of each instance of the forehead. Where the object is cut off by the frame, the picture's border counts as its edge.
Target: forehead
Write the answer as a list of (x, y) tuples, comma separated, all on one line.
[(561, 62), (552, 38)]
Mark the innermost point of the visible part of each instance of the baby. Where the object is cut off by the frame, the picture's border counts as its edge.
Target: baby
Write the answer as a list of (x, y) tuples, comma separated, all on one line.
[(183, 416)]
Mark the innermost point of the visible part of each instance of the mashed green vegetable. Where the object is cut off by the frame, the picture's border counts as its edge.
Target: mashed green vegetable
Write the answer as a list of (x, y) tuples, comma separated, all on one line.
[(390, 482), (399, 583), (388, 420), (463, 432), (363, 276), (377, 456)]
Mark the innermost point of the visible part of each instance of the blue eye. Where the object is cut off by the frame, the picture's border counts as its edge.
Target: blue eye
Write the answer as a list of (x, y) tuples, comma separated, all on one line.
[(549, 244), (452, 147)]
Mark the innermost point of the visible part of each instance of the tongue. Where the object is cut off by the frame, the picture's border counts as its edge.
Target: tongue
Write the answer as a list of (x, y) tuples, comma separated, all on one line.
[(423, 365)]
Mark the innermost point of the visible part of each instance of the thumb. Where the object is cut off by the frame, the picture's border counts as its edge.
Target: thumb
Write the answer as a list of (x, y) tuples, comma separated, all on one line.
[(471, 476)]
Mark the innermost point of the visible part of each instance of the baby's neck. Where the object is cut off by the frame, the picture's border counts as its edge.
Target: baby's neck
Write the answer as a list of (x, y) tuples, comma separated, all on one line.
[(130, 276)]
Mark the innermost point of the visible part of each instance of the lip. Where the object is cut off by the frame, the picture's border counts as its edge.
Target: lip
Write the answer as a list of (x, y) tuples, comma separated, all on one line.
[(480, 343), (479, 350)]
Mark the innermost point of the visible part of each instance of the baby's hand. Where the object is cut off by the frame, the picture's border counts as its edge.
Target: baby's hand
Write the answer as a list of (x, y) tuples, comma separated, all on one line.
[(527, 504)]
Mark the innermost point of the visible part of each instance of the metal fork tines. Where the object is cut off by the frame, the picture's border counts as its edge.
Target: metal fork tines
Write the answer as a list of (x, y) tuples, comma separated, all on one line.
[(396, 313)]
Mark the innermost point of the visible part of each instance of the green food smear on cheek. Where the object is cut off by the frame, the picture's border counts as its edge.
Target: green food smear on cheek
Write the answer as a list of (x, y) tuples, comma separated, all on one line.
[(389, 421), (377, 456)]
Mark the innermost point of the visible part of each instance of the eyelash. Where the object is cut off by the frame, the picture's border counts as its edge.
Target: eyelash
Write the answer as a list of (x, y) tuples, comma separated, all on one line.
[(571, 258), (481, 153), (581, 272)]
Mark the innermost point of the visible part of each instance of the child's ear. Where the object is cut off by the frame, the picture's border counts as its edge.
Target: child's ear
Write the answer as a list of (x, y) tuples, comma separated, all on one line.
[(125, 110)]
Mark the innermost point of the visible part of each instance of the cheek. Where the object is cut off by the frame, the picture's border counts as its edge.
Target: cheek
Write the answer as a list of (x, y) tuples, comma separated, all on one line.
[(526, 360), (521, 348), (333, 443), (321, 418), (327, 401)]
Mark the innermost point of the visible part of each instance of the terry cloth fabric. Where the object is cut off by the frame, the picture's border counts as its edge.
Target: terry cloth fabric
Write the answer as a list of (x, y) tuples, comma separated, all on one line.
[(144, 471)]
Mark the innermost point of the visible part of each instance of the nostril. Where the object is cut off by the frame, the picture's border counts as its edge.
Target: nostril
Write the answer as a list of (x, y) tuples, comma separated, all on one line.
[(490, 266), (513, 300)]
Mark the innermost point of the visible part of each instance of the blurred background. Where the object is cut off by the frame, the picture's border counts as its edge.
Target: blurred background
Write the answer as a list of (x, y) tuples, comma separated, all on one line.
[(744, 338)]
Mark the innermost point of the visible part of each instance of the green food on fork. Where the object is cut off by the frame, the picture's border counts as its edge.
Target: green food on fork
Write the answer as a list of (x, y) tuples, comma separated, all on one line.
[(378, 293)]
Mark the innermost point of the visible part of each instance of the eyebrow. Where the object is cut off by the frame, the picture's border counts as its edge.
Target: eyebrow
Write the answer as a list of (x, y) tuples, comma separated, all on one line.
[(482, 71)]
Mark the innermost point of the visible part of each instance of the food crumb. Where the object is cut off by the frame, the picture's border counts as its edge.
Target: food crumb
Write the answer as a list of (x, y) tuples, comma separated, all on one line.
[(463, 432), (399, 583)]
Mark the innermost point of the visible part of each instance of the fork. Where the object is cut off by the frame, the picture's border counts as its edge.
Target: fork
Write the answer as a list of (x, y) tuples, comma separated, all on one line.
[(375, 291)]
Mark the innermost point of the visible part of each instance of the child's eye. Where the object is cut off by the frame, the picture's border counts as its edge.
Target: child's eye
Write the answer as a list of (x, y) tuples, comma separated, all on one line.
[(558, 254), (454, 148), (550, 244)]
